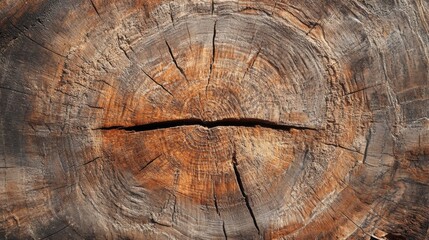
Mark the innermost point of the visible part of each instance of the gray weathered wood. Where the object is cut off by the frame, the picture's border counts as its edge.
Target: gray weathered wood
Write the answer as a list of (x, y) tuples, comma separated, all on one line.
[(214, 119)]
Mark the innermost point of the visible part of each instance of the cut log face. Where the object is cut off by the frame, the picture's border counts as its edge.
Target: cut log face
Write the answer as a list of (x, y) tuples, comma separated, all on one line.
[(214, 119)]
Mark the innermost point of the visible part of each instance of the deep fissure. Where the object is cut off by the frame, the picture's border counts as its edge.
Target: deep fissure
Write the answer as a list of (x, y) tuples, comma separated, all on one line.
[(175, 61), (242, 190), (239, 122)]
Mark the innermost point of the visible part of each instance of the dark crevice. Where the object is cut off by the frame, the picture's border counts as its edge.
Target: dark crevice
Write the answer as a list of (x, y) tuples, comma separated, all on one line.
[(95, 8), (93, 160), (313, 25), (391, 236), (157, 83), (148, 163), (215, 203), (173, 214), (123, 49), (213, 55), (243, 192), (362, 89), (239, 122), (218, 213), (171, 14), (224, 230), (365, 154), (56, 232), (252, 62), (175, 62), (37, 43), (14, 90)]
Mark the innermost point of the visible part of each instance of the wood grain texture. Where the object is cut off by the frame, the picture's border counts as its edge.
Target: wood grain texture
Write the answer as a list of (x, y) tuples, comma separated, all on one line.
[(214, 119)]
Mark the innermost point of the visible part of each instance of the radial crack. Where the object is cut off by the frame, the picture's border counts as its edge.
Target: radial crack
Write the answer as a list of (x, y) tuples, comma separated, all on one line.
[(95, 8), (218, 212), (14, 90), (93, 160), (362, 89), (243, 192), (39, 44), (189, 36), (215, 203), (224, 230), (365, 153), (251, 62), (213, 55), (56, 232), (157, 83), (171, 14), (175, 62), (150, 162)]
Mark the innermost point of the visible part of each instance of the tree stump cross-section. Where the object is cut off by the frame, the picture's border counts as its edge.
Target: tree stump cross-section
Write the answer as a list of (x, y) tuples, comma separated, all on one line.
[(214, 119)]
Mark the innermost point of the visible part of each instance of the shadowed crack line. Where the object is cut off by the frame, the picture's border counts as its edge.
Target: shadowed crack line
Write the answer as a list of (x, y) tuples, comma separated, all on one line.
[(37, 43), (56, 232), (218, 213), (95, 8), (90, 161), (365, 154), (251, 63), (213, 54), (148, 163), (233, 122), (175, 62), (171, 14), (243, 192), (224, 230), (215, 203), (157, 83)]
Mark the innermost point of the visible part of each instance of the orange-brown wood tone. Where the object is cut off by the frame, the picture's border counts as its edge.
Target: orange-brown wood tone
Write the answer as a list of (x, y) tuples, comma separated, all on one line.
[(214, 119)]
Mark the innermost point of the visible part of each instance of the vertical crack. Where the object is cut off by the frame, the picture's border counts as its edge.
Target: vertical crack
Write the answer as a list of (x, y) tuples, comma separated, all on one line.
[(171, 14), (224, 230), (213, 55), (176, 180), (189, 36), (218, 212), (365, 154), (173, 215), (215, 203), (212, 7), (122, 47), (243, 192), (175, 62)]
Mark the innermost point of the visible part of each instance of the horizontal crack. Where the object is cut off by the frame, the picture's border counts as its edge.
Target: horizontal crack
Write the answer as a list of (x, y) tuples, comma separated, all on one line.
[(232, 122)]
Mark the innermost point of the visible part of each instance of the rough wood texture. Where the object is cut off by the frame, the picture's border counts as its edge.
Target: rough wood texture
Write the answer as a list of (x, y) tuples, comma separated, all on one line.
[(214, 119)]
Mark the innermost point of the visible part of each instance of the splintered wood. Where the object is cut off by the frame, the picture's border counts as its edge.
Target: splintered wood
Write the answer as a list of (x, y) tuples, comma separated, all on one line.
[(214, 119)]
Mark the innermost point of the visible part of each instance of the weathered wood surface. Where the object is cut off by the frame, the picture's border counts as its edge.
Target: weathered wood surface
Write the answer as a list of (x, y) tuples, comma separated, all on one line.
[(214, 119)]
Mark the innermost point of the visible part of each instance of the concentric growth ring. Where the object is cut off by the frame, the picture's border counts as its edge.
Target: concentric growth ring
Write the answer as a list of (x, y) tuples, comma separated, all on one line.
[(212, 119)]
